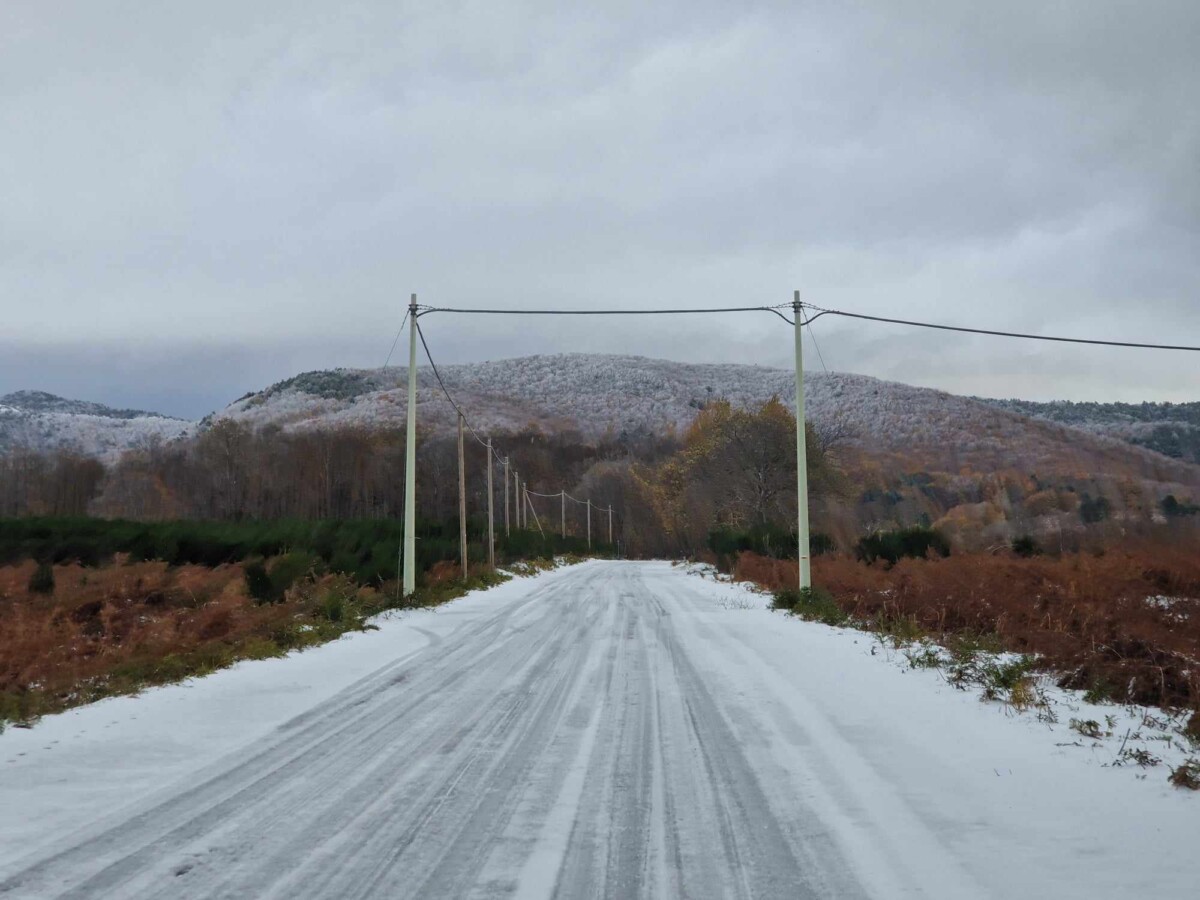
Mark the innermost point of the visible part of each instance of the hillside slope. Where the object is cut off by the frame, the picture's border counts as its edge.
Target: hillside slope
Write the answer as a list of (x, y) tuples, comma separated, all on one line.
[(902, 427), (1172, 429), (39, 421), (916, 427)]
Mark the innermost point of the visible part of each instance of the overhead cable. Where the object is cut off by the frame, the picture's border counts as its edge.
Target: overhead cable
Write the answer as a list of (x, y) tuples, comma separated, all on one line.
[(395, 342), (775, 310), (602, 312), (1008, 334)]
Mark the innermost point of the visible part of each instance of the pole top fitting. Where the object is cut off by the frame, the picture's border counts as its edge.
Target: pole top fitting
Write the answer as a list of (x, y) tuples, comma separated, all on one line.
[(796, 304), (412, 304)]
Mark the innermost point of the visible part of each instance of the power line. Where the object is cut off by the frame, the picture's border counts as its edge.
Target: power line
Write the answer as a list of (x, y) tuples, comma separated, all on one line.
[(399, 332), (458, 409), (1009, 334), (442, 385), (603, 312), (812, 334), (775, 310)]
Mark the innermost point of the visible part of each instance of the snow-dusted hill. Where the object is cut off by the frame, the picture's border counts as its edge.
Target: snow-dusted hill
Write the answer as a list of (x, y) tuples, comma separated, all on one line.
[(595, 393), (41, 421), (1172, 429)]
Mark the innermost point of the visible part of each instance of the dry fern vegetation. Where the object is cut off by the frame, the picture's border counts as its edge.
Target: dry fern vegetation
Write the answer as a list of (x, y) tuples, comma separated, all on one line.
[(71, 634), (1123, 625), (126, 626)]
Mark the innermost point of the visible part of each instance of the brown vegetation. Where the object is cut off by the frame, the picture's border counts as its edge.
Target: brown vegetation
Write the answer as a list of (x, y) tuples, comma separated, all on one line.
[(116, 629), (1123, 624), (737, 470)]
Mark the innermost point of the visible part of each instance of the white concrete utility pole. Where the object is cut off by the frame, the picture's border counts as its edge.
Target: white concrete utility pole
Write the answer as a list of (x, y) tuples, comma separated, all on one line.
[(610, 523), (506, 527), (536, 520), (589, 506), (562, 495), (462, 497), (410, 459), (491, 517), (801, 450)]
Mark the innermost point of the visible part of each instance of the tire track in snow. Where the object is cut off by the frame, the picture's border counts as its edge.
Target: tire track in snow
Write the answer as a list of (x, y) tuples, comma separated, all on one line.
[(567, 746)]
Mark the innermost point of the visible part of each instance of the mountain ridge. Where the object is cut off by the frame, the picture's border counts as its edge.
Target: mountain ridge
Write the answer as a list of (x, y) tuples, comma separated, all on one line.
[(597, 393), (1172, 429), (41, 421), (43, 401)]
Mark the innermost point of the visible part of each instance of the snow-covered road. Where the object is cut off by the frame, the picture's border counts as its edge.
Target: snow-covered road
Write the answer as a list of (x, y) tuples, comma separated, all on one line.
[(613, 729)]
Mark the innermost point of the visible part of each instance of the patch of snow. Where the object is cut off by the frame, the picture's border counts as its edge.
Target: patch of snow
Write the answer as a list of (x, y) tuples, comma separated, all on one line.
[(80, 765)]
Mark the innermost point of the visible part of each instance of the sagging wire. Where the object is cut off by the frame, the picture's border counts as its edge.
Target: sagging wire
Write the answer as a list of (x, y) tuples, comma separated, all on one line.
[(993, 333)]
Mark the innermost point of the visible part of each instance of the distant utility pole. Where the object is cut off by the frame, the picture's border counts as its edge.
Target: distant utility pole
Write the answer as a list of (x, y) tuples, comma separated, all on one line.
[(410, 459), (562, 495), (589, 506), (801, 450), (506, 528), (462, 496), (491, 517), (536, 520), (610, 523)]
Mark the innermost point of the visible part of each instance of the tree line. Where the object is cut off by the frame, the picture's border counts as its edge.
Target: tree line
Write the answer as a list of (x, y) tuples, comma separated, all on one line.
[(732, 468)]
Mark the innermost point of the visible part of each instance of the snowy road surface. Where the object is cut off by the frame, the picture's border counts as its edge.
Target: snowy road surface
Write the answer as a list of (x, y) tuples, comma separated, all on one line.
[(611, 729)]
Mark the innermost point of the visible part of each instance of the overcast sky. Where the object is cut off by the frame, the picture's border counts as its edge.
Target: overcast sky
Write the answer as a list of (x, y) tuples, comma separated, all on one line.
[(197, 199)]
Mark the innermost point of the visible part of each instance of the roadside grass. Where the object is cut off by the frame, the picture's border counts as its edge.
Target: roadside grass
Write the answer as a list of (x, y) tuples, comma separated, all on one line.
[(1187, 775), (813, 604), (978, 661), (128, 626), (1122, 626), (966, 660)]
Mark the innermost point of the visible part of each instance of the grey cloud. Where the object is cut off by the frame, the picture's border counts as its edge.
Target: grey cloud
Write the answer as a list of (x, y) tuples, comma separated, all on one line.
[(281, 176)]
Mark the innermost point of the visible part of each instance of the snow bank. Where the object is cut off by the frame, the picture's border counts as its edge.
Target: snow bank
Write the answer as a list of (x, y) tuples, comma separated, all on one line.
[(903, 764), (81, 765)]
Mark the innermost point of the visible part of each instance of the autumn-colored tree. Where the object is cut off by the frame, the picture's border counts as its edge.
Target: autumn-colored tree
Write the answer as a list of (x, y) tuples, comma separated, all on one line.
[(737, 469)]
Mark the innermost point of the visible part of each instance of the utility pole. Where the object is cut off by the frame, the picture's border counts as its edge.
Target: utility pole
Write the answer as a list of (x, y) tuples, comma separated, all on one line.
[(410, 459), (506, 528), (491, 518), (801, 451), (562, 495), (516, 512), (462, 496), (589, 506), (536, 520), (610, 523)]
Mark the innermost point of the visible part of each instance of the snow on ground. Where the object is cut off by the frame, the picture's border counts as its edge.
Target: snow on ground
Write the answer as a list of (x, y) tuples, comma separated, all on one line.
[(81, 765), (1146, 742), (1019, 802), (614, 728)]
